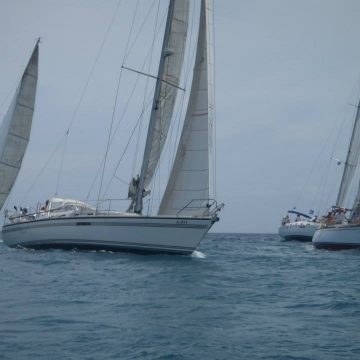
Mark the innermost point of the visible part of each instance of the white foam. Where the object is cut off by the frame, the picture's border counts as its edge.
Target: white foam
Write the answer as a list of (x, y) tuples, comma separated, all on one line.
[(198, 255), (310, 247)]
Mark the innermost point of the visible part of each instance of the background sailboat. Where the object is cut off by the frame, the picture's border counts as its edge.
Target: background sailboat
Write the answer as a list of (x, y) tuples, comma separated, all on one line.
[(16, 126), (186, 213), (345, 235), (302, 228)]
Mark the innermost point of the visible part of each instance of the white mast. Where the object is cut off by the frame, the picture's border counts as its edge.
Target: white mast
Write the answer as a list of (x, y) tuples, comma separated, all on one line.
[(189, 182), (352, 160), (170, 66), (16, 126)]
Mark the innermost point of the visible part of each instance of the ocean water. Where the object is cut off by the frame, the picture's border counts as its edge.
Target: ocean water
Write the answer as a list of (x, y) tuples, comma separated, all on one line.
[(240, 296)]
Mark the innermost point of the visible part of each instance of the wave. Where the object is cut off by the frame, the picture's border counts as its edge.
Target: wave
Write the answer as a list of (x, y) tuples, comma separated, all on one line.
[(198, 255)]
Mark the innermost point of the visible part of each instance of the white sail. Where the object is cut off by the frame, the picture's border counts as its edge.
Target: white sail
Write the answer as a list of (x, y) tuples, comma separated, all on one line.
[(189, 182), (172, 56), (356, 206), (112, 230), (351, 162), (16, 126)]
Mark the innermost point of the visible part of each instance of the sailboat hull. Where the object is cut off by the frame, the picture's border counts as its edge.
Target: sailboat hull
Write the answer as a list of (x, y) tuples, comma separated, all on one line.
[(337, 237), (139, 234), (300, 230)]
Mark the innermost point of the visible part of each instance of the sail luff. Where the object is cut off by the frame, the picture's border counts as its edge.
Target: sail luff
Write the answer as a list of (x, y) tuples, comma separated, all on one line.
[(16, 126), (189, 182), (166, 88), (211, 95), (352, 160)]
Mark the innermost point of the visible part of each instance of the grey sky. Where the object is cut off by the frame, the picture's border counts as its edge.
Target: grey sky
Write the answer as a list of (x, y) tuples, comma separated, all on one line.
[(286, 72)]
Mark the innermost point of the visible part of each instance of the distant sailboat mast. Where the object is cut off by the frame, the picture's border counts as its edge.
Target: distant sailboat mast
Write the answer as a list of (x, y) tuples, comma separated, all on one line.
[(352, 160), (16, 126), (170, 66)]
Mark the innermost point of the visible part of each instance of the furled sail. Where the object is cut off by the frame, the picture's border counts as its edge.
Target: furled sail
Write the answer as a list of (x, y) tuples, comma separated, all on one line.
[(351, 162), (16, 126), (188, 187), (169, 72)]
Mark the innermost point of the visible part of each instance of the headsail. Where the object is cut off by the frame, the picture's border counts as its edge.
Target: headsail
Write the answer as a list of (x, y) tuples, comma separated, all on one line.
[(189, 181), (351, 162), (172, 55), (16, 126)]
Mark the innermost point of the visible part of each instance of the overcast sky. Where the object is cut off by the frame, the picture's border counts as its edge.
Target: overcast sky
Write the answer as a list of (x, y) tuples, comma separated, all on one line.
[(287, 76)]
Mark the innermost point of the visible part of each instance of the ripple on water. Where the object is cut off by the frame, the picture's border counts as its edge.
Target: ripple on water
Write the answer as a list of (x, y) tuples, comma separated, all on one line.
[(239, 296)]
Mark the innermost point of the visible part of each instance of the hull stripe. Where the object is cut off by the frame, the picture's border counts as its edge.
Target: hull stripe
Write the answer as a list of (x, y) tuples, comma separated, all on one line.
[(336, 246), (98, 244), (27, 226), (94, 218)]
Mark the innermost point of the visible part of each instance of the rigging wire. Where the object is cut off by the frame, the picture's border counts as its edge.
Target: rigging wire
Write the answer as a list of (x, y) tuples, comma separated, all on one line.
[(131, 30), (325, 177), (127, 145), (318, 159), (42, 169), (124, 110), (140, 30), (145, 92), (325, 182), (71, 123), (113, 136), (115, 104), (86, 86), (61, 166), (108, 142)]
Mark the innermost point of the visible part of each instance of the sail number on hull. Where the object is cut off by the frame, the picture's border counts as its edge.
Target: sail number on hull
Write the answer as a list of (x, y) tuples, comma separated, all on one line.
[(181, 222)]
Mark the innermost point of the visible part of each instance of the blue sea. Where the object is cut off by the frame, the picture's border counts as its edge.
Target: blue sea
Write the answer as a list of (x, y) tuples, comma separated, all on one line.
[(241, 296)]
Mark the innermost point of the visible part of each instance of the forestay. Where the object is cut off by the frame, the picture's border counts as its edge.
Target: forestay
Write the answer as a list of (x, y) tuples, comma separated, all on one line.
[(16, 126), (352, 160), (188, 187), (172, 56)]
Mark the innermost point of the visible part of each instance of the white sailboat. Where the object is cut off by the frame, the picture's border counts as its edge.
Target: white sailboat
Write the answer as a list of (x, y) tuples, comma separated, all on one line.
[(16, 126), (345, 234), (301, 229), (186, 212)]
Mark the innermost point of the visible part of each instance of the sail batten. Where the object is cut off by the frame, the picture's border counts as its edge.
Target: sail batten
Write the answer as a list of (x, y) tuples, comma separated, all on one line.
[(16, 126), (188, 189), (170, 67)]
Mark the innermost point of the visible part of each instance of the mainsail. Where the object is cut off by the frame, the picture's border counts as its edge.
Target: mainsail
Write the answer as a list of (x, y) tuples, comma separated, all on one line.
[(188, 187), (351, 162), (16, 126), (169, 72)]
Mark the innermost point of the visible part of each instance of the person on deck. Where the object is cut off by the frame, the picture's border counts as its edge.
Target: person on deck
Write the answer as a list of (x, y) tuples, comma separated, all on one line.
[(340, 216), (329, 218)]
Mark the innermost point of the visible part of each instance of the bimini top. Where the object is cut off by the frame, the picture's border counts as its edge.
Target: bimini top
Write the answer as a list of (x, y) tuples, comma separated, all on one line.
[(299, 213)]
